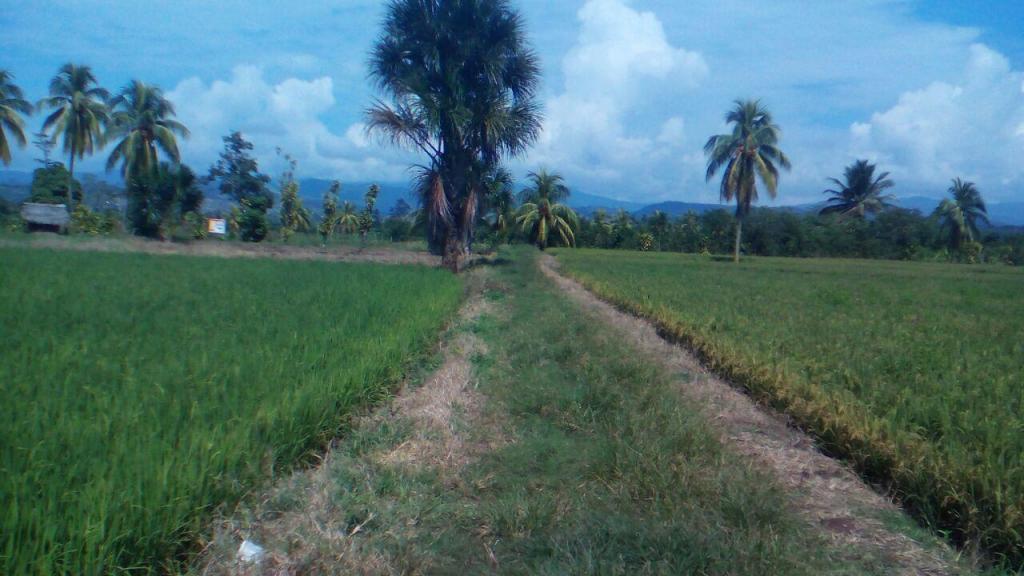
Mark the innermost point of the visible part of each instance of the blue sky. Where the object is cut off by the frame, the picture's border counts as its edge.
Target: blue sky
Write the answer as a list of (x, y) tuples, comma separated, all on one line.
[(632, 88)]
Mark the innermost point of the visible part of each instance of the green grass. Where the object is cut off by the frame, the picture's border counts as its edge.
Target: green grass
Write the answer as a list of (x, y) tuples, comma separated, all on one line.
[(603, 469), (915, 372), (139, 391)]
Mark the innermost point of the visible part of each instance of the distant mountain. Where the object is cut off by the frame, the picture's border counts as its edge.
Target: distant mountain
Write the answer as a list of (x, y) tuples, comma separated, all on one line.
[(586, 204), (675, 209)]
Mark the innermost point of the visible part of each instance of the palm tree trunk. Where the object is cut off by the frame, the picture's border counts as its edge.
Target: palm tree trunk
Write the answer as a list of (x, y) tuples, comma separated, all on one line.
[(739, 235), (453, 250), (71, 180)]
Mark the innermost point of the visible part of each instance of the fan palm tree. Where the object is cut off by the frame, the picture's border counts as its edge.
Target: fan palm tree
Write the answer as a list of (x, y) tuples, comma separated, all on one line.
[(80, 113), (143, 119), (541, 216), (12, 106), (861, 194), (960, 214), (499, 201), (747, 154), (462, 80)]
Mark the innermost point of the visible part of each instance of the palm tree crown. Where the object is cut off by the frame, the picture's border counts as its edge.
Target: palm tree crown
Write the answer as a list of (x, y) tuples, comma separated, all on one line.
[(462, 81), (749, 153), (861, 193), (12, 106), (960, 215), (143, 119), (541, 216), (80, 113)]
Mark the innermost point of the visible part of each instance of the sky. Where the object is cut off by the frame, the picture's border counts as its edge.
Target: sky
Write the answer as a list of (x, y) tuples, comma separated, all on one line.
[(631, 89)]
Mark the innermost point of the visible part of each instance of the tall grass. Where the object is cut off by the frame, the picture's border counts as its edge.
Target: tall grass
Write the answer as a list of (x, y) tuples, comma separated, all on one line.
[(139, 391), (914, 372)]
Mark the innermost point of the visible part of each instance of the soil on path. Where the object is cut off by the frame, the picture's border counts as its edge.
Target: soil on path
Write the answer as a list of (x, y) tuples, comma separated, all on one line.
[(825, 492)]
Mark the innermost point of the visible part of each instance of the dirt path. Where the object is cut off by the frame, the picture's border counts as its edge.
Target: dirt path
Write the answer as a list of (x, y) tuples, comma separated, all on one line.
[(825, 492), (221, 249), (444, 425)]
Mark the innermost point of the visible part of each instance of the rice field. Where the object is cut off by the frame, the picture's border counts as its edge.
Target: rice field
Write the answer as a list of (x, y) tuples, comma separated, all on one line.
[(914, 372), (140, 391)]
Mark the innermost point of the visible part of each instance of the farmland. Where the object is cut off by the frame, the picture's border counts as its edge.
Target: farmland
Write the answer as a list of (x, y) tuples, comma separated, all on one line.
[(911, 371), (140, 391)]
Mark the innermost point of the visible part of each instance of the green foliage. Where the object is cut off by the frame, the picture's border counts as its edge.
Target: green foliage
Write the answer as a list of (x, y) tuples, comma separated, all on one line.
[(542, 218), (159, 201), (251, 220), (747, 154), (861, 193), (238, 175), (50, 185), (368, 217), (13, 107), (85, 221), (462, 81), (329, 220), (140, 392), (143, 121), (959, 217), (294, 217), (912, 371), (80, 114)]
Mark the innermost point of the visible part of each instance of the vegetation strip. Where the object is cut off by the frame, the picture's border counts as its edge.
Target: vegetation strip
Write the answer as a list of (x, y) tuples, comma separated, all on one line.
[(140, 391), (861, 366), (574, 455), (826, 493)]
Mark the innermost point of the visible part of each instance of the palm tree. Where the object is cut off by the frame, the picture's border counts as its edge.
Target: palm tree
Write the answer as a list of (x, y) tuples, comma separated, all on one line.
[(541, 216), (142, 118), (861, 194), (499, 201), (960, 215), (462, 80), (545, 185), (347, 219), (749, 153), (80, 113), (12, 106)]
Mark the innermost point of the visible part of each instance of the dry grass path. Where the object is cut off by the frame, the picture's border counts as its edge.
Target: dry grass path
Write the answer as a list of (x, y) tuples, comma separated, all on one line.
[(827, 494)]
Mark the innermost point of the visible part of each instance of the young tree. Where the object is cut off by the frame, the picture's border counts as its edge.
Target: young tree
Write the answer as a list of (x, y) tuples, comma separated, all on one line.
[(143, 119), (80, 114), (861, 194), (294, 217), (959, 216), (12, 107), (239, 178), (44, 143), (161, 199), (348, 219), (749, 153), (541, 216), (462, 83), (330, 216), (367, 218)]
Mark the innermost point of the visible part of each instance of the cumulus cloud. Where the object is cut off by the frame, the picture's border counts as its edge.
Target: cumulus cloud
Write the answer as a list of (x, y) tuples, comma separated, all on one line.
[(287, 114), (621, 56), (971, 127)]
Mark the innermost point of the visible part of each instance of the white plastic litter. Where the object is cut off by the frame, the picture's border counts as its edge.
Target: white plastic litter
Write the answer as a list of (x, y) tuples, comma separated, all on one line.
[(250, 552)]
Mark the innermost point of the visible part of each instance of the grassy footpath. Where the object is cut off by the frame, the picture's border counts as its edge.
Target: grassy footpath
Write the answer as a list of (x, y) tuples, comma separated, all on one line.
[(139, 390), (594, 466), (912, 371)]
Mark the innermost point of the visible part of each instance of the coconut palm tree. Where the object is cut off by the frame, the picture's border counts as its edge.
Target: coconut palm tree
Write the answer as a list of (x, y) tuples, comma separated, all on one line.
[(12, 106), (80, 113), (541, 216), (545, 185), (143, 119), (861, 193), (347, 219), (461, 79), (959, 215), (747, 154)]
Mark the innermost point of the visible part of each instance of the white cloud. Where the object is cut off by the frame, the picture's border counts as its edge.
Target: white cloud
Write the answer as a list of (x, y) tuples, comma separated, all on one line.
[(288, 115), (970, 128), (621, 56)]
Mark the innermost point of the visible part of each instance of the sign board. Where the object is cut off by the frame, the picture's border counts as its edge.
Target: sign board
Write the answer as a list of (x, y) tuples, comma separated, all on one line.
[(217, 226)]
